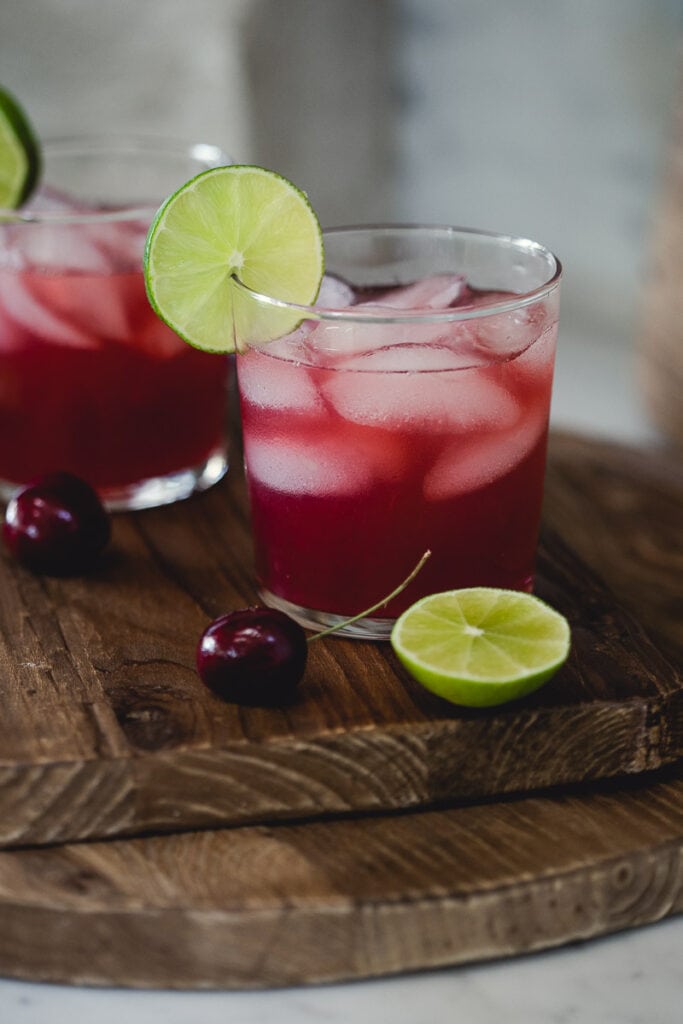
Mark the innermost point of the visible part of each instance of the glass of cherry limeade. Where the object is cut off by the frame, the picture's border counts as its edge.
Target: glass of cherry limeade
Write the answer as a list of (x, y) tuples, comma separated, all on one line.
[(91, 381), (408, 411)]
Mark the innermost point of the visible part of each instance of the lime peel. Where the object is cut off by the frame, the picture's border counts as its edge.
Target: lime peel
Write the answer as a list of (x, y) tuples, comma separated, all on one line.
[(481, 646), (20, 159)]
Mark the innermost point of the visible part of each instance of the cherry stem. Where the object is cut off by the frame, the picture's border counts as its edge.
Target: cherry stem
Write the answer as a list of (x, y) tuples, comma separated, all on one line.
[(375, 607)]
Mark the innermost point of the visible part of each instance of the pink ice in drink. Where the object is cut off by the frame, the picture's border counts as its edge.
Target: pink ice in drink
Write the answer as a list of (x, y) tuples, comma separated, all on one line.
[(91, 381), (368, 443)]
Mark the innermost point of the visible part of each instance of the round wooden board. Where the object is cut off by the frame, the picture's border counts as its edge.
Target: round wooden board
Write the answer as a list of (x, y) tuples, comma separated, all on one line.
[(350, 898)]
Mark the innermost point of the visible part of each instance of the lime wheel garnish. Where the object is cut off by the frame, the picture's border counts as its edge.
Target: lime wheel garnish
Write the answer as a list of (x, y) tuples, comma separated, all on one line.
[(226, 233)]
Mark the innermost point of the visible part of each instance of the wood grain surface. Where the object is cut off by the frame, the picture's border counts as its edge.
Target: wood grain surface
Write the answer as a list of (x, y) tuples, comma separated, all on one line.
[(621, 509), (292, 903), (105, 728), (259, 906)]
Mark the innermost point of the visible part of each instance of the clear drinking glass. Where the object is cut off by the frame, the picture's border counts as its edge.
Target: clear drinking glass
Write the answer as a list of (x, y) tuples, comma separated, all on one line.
[(408, 411), (91, 381)]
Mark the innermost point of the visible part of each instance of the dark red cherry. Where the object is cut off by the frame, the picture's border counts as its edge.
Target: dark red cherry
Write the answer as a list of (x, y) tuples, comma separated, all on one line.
[(56, 525), (253, 656)]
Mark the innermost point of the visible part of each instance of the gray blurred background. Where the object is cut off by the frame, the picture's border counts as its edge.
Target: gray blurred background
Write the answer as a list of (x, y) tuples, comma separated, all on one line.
[(545, 118)]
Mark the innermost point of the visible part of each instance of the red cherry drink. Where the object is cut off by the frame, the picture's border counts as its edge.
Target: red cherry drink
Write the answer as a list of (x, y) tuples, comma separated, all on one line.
[(91, 381), (367, 444)]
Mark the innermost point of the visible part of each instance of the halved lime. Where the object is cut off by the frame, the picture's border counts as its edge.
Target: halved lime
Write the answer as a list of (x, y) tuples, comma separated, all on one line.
[(19, 154), (481, 646), (228, 225)]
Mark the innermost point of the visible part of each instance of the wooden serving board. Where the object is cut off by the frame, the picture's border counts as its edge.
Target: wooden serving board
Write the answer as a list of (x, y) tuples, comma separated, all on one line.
[(292, 903), (259, 906), (106, 730)]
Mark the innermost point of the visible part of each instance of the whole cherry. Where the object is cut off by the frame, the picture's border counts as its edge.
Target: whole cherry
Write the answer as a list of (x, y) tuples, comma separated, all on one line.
[(258, 655), (56, 525), (253, 656)]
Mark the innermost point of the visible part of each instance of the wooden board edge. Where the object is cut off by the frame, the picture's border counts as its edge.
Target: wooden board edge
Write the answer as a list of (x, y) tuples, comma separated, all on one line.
[(292, 945)]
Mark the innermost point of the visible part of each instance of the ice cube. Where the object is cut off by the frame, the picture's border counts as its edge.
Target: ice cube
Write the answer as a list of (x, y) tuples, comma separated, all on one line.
[(470, 463), (291, 347), (331, 343), (332, 338), (86, 246), (270, 382), (95, 304), (537, 361), (335, 293), (328, 340), (505, 335), (477, 299), (61, 248), (20, 306), (106, 313), (452, 400), (437, 292), (121, 242), (323, 465), (409, 358)]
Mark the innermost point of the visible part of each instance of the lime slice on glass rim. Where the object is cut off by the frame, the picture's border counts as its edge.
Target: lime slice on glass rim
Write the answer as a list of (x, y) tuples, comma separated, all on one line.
[(481, 646), (227, 227), (19, 154)]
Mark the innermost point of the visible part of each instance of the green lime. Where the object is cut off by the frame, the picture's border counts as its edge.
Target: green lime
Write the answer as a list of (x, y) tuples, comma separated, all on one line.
[(481, 646), (229, 225), (19, 154)]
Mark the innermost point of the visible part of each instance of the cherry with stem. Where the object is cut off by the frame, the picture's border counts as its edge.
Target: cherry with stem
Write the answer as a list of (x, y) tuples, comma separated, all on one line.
[(258, 655)]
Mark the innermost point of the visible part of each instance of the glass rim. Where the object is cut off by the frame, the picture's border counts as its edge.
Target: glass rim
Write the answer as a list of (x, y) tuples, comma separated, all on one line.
[(114, 145), (347, 314)]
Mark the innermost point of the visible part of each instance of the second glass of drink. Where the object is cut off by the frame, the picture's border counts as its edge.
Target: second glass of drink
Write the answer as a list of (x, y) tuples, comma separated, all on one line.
[(91, 381)]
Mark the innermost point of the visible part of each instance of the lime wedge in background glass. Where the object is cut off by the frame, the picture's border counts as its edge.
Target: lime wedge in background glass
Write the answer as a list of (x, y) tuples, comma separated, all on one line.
[(233, 222), (481, 646), (19, 154)]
